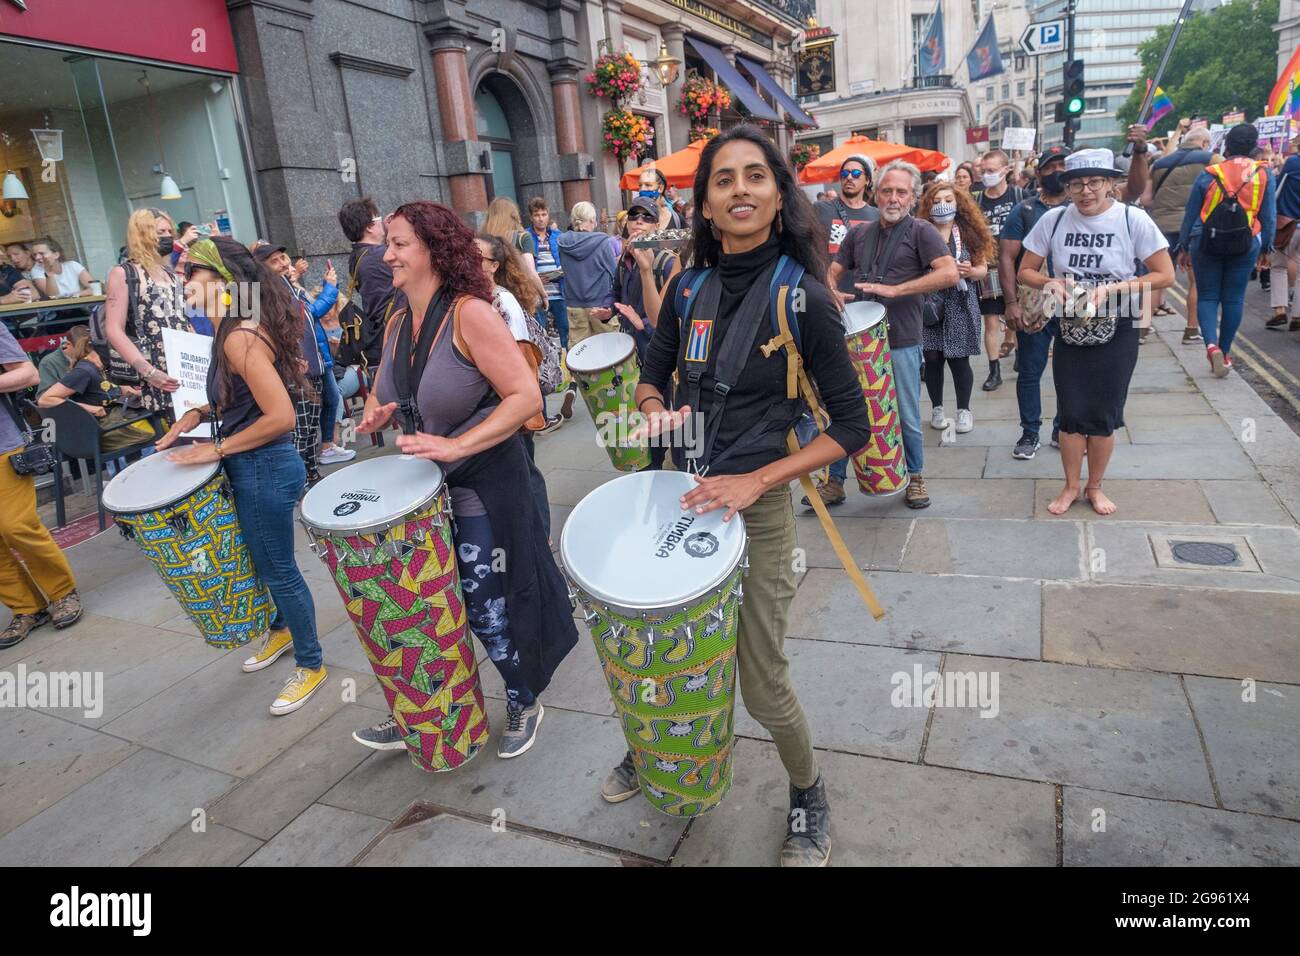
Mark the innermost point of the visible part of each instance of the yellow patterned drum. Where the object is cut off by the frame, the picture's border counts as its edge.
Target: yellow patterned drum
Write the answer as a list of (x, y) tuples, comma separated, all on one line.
[(881, 466), (661, 590), (183, 519), (606, 369)]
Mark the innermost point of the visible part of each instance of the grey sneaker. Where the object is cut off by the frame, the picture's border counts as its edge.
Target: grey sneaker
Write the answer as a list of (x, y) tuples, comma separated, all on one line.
[(21, 626), (66, 611), (808, 836), (621, 784), (385, 735), (521, 728), (1026, 448)]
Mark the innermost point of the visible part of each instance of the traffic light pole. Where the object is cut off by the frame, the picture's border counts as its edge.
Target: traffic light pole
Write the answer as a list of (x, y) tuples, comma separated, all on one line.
[(1069, 58)]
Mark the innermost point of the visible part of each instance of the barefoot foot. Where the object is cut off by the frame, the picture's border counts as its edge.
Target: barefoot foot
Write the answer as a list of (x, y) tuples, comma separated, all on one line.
[(1063, 501), (1100, 503)]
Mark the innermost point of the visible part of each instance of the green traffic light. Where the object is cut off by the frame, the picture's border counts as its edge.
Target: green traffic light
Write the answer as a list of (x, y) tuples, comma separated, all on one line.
[(1074, 106)]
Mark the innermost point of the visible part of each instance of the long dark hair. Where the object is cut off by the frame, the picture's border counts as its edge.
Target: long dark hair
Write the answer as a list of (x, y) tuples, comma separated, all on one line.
[(278, 318), (510, 272), (803, 237), (453, 253)]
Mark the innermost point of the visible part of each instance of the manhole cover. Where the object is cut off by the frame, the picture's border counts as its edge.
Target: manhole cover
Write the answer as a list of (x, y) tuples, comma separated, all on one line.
[(1204, 552)]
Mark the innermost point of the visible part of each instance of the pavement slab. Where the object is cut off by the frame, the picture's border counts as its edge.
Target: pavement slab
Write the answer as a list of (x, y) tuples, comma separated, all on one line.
[(1203, 430), (447, 839), (214, 846), (1144, 462), (1126, 556), (1155, 500), (991, 548), (320, 836), (1252, 742), (578, 683), (971, 615), (1177, 630), (949, 498), (1244, 502), (883, 813), (875, 543), (1141, 832), (1129, 732)]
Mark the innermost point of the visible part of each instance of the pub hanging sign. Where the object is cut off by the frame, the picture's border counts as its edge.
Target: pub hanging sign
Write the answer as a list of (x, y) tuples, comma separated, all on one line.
[(817, 70)]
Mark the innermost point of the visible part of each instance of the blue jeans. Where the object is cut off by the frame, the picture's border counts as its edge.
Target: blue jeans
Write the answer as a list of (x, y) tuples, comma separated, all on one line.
[(350, 385), (907, 383), (1032, 347), (483, 582), (266, 482), (559, 310), (329, 404), (1222, 282)]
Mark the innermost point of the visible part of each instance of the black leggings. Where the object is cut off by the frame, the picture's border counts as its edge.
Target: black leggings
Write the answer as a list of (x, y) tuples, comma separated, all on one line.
[(963, 378)]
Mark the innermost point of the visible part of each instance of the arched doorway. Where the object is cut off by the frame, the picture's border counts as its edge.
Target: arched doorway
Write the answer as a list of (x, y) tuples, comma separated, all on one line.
[(505, 123)]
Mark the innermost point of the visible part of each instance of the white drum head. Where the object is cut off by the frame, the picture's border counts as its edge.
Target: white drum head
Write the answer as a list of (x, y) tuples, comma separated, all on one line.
[(860, 316), (630, 545), (371, 494), (154, 482), (600, 352)]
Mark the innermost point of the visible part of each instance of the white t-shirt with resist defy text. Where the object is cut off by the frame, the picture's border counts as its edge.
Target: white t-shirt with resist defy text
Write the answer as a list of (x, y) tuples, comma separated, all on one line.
[(1099, 249)]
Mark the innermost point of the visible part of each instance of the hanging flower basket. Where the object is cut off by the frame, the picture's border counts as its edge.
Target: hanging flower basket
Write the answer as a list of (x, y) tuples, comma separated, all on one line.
[(700, 96), (703, 132), (626, 135), (801, 154), (615, 77)]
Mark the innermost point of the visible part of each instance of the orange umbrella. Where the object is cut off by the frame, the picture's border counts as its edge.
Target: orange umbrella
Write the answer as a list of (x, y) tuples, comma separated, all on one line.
[(678, 168), (826, 168)]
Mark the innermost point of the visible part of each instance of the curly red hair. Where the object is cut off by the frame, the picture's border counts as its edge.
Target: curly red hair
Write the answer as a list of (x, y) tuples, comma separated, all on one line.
[(974, 228), (457, 259)]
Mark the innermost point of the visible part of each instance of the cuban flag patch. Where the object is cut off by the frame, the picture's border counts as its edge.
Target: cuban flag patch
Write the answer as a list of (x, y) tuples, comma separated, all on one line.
[(697, 346)]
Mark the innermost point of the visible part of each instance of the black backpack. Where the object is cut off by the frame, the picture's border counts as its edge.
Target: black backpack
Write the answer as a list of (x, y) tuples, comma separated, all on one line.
[(361, 341), (118, 369), (1226, 232)]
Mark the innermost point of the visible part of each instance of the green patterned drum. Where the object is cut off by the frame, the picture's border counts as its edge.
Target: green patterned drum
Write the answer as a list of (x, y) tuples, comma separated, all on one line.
[(607, 372), (661, 592)]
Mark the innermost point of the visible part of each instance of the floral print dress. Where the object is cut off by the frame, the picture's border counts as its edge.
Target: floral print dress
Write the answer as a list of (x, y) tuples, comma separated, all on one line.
[(162, 306)]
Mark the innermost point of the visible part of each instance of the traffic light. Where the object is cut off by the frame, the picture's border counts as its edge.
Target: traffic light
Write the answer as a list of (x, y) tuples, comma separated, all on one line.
[(1074, 87), (1060, 113)]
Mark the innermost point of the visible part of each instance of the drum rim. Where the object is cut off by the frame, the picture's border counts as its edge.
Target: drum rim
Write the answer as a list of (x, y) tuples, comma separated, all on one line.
[(631, 350), (884, 315), (660, 610), (639, 610), (378, 526), (216, 472)]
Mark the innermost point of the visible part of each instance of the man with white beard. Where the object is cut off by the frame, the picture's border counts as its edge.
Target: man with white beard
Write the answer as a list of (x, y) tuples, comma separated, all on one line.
[(897, 262)]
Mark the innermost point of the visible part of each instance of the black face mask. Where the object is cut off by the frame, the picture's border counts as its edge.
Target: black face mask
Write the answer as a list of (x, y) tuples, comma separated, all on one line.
[(165, 245), (1052, 184)]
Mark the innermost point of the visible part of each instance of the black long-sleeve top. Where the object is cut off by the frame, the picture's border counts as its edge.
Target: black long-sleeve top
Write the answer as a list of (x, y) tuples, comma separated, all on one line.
[(762, 382)]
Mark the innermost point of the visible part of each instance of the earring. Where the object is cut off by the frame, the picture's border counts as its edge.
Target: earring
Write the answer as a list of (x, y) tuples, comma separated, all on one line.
[(780, 226), (713, 228)]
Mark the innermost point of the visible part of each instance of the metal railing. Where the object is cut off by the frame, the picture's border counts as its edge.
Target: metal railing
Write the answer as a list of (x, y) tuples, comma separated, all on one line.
[(796, 10), (938, 81)]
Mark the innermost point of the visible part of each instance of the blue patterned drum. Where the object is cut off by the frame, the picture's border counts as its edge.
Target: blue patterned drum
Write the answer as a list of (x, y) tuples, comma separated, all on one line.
[(183, 518)]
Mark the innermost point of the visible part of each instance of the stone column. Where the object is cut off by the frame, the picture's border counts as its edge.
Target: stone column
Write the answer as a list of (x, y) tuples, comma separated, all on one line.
[(456, 111), (576, 165), (678, 125), (782, 70)]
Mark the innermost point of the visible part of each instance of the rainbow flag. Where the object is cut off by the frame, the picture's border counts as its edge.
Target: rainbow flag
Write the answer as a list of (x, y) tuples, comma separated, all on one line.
[(1283, 98), (1162, 105)]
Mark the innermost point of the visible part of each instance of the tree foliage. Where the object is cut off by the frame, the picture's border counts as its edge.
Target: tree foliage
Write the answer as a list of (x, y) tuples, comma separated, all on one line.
[(1225, 58)]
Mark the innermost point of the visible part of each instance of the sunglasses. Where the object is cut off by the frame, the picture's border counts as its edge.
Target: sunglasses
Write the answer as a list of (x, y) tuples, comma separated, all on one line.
[(855, 173), (641, 216)]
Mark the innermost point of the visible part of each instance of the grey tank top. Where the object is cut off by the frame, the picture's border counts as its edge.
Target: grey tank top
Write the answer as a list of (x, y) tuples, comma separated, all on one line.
[(449, 392)]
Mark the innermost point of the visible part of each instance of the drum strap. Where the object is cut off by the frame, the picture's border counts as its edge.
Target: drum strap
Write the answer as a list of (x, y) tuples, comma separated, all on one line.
[(408, 367), (797, 382)]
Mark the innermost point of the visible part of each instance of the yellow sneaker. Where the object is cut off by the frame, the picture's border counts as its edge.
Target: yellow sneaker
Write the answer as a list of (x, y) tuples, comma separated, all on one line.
[(273, 645), (298, 689)]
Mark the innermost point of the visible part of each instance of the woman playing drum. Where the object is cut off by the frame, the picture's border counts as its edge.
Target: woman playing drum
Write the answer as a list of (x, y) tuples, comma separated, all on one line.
[(751, 212), (447, 357), (255, 364)]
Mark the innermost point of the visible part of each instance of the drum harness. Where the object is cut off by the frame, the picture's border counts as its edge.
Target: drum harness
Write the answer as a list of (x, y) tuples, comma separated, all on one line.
[(734, 351)]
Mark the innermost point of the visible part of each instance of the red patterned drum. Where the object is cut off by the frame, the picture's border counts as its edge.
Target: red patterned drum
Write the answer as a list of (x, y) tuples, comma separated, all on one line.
[(882, 465), (383, 529)]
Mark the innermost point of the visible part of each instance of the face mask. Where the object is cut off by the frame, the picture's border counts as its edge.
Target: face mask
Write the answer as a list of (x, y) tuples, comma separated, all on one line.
[(649, 193), (165, 245), (943, 212), (1052, 184), (991, 180)]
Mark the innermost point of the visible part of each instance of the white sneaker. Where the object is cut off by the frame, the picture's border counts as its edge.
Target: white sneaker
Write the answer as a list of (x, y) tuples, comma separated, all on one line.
[(937, 419), (965, 421), (337, 455)]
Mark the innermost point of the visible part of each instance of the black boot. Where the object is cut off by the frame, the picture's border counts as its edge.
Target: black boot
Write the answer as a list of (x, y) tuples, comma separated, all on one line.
[(808, 827), (995, 376)]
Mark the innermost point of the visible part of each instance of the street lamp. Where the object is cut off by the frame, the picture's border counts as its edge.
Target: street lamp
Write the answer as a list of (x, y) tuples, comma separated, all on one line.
[(667, 66)]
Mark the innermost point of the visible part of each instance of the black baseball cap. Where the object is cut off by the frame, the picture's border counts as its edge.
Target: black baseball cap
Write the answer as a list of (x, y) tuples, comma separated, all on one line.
[(1051, 153), (265, 252)]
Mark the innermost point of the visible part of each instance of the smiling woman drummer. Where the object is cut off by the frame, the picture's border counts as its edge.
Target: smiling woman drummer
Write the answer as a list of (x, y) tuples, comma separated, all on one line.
[(752, 213), (255, 362), (452, 373)]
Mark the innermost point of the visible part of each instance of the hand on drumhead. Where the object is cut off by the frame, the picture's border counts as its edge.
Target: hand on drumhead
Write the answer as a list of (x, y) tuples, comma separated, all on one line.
[(733, 492), (433, 447), (658, 423), (376, 418), (200, 453), (629, 313), (841, 297), (187, 422)]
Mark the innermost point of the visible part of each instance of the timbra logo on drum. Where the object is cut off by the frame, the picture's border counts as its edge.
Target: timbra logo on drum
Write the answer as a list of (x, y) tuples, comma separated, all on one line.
[(353, 503), (701, 545), (347, 508), (677, 533)]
